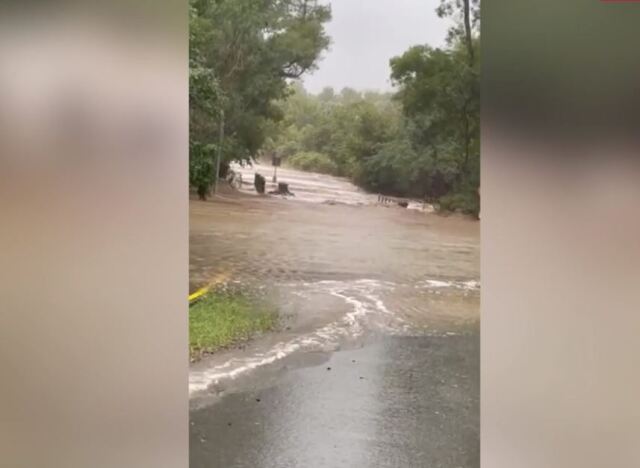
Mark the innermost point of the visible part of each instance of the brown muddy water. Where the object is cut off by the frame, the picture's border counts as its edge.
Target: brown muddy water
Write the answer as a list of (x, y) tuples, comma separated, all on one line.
[(377, 363)]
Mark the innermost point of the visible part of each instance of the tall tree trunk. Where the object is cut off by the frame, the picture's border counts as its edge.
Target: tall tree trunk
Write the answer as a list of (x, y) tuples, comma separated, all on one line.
[(467, 30), (467, 135), (466, 130)]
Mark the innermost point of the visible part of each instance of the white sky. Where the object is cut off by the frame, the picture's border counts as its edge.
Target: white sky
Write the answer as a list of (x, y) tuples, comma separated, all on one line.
[(365, 34)]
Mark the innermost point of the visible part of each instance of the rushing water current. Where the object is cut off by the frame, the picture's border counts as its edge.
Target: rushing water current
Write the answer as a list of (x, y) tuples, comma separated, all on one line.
[(335, 263), (377, 362)]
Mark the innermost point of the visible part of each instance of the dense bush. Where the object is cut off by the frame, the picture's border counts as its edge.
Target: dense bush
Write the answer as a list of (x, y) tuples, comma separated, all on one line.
[(312, 161), (464, 202)]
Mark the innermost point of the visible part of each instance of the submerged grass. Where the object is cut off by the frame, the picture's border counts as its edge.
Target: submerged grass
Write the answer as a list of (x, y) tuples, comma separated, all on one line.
[(221, 319)]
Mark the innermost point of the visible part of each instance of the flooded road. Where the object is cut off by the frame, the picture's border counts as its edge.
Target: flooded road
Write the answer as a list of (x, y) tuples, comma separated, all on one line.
[(386, 298), (307, 186)]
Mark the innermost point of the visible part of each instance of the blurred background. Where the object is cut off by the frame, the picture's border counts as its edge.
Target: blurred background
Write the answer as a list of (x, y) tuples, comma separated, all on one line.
[(560, 251), (93, 257)]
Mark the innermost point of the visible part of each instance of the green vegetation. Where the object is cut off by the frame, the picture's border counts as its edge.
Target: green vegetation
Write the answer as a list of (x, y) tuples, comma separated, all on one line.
[(222, 319), (334, 133), (242, 54), (423, 141), (312, 161)]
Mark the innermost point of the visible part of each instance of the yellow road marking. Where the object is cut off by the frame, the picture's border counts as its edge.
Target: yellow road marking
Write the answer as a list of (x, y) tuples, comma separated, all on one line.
[(221, 278)]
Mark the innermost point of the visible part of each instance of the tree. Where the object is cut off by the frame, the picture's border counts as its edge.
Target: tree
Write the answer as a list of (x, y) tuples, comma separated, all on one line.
[(423, 142), (327, 94), (243, 53), (466, 17), (439, 92), (346, 129)]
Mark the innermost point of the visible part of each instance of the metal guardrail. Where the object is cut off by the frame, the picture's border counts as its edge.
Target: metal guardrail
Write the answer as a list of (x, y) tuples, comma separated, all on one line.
[(386, 200)]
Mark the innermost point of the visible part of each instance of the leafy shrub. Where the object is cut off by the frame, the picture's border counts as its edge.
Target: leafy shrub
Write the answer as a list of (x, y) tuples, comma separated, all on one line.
[(312, 161), (201, 167), (465, 202)]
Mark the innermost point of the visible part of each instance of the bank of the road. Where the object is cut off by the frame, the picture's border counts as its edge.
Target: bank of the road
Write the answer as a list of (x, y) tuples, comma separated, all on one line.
[(220, 318)]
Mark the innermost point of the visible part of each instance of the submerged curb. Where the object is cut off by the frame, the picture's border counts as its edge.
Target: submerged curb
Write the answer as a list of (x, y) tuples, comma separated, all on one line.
[(221, 278)]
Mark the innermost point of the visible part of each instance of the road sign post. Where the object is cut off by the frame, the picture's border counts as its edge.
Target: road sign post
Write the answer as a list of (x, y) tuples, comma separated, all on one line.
[(275, 161), (219, 153)]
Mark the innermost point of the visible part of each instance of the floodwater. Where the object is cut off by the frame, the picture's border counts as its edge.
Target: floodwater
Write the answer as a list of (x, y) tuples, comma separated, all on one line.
[(307, 186), (377, 362)]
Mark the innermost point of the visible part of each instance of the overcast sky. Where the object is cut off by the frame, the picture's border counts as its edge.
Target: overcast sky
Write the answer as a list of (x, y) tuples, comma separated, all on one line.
[(365, 34)]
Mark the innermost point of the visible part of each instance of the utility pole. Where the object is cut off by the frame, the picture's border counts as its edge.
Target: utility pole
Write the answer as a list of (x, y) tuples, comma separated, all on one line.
[(219, 152)]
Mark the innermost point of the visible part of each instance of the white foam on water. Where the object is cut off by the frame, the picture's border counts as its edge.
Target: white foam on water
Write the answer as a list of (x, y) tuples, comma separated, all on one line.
[(419, 206), (361, 295), (469, 285), (438, 283), (307, 186)]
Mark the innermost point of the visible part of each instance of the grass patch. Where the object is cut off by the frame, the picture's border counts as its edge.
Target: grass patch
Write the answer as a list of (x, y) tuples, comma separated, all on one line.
[(220, 319)]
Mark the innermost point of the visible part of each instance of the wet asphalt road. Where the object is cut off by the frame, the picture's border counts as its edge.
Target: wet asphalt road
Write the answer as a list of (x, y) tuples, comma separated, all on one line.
[(399, 402)]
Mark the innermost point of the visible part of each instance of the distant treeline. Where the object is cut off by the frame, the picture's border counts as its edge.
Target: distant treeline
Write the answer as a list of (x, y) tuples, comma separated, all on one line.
[(422, 141)]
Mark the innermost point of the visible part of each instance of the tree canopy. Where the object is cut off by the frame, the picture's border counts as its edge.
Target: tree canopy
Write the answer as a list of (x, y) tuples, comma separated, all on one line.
[(420, 141), (243, 53)]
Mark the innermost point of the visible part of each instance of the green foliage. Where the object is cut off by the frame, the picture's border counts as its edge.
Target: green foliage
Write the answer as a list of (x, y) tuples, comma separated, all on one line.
[(312, 161), (422, 142), (201, 157), (346, 128), (242, 54), (439, 93), (464, 202)]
